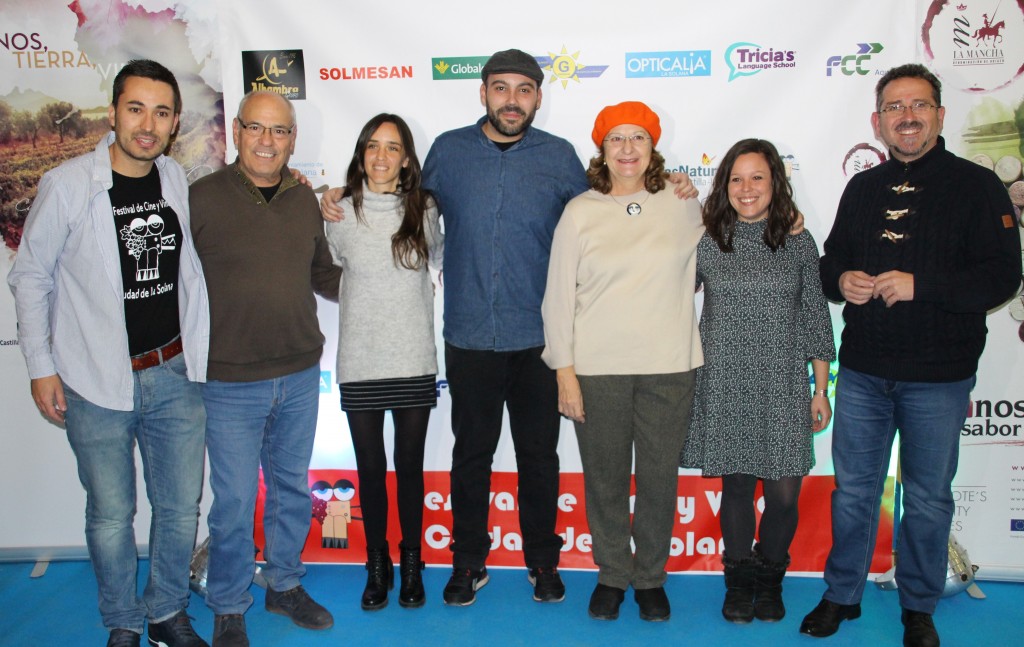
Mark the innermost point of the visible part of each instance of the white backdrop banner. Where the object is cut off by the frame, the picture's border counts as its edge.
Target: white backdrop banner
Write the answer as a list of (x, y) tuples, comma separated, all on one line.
[(800, 74)]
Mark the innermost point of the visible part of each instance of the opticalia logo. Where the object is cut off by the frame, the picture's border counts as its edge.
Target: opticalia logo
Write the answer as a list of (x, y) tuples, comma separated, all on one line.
[(854, 63), (325, 381), (458, 67), (641, 65), (747, 59), (279, 71), (566, 67)]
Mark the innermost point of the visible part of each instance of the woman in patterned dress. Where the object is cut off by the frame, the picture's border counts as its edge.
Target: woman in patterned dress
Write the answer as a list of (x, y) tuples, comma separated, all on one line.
[(754, 416)]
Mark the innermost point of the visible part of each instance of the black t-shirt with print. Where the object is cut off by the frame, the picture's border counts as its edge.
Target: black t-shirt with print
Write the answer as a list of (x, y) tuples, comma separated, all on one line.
[(149, 242)]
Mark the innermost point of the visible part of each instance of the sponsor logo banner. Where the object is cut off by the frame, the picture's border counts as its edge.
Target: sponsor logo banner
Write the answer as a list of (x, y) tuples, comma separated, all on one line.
[(281, 71), (454, 68), (641, 65)]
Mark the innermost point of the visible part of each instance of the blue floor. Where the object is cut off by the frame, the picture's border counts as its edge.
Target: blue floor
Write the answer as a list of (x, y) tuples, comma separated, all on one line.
[(60, 609)]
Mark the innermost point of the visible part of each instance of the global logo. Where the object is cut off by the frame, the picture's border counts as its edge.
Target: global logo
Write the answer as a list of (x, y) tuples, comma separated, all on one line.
[(641, 65), (964, 43), (565, 67), (856, 63), (455, 68), (748, 59)]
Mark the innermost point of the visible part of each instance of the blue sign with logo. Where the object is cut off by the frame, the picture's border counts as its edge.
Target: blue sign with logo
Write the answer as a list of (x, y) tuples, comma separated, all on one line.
[(640, 65)]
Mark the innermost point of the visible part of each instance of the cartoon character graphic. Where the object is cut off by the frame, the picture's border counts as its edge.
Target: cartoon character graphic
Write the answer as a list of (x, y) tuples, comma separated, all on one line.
[(332, 507), (145, 241)]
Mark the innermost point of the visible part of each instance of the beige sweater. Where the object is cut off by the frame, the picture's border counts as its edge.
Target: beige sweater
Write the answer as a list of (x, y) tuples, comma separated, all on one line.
[(619, 297)]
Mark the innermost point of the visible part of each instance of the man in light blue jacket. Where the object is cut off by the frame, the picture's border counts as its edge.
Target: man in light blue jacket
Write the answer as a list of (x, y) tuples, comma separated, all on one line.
[(113, 320)]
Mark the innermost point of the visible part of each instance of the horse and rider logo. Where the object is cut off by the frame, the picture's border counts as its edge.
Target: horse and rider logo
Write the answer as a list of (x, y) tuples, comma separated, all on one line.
[(988, 31)]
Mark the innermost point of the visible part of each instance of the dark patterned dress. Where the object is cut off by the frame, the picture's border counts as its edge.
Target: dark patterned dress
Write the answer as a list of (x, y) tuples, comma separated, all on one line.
[(764, 318)]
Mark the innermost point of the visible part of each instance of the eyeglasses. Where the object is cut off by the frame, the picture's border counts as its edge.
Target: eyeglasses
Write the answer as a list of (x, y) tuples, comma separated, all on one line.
[(918, 107), (255, 129), (620, 140)]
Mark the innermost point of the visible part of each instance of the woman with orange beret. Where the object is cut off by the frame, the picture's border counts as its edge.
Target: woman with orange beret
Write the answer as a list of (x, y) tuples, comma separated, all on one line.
[(620, 331)]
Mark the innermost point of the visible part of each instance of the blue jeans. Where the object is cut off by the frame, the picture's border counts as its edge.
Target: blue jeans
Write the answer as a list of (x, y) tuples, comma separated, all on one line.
[(167, 423), (929, 417), (270, 423)]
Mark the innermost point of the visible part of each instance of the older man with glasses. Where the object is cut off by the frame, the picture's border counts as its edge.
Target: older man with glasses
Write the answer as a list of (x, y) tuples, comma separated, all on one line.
[(261, 241)]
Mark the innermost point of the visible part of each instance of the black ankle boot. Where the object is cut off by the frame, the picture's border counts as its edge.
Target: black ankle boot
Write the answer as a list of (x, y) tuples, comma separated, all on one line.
[(768, 587), (380, 576), (739, 589), (411, 593)]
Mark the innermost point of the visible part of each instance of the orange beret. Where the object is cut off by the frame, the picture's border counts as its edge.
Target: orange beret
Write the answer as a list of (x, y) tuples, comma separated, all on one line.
[(627, 112)]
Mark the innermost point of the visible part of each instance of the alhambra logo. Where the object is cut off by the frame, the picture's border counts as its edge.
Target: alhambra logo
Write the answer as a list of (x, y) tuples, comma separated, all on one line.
[(565, 67)]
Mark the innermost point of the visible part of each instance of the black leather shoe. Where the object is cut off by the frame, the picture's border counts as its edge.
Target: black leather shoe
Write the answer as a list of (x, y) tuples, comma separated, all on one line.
[(918, 629), (411, 593), (297, 605), (605, 601), (380, 578), (653, 603), (229, 631), (825, 619)]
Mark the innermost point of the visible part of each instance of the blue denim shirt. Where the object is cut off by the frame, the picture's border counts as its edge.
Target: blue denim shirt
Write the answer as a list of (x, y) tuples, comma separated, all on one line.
[(500, 209)]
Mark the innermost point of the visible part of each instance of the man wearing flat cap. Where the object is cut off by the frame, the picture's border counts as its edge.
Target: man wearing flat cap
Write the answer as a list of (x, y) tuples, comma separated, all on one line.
[(500, 213)]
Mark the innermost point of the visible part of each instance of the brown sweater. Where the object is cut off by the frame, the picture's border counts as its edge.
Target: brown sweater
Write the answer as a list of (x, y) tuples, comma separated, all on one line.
[(262, 262)]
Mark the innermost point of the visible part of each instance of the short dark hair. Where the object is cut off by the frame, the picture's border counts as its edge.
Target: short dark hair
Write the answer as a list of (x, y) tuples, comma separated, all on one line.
[(720, 216), (909, 71), (148, 70)]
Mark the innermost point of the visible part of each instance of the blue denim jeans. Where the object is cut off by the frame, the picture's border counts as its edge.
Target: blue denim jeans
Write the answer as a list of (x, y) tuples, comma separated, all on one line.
[(270, 423), (167, 423), (929, 417)]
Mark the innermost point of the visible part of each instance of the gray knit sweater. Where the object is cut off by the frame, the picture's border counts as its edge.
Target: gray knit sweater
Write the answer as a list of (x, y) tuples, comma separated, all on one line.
[(386, 318)]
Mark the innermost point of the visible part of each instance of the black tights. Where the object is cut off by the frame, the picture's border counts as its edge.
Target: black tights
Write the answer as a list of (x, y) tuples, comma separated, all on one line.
[(778, 522), (367, 428)]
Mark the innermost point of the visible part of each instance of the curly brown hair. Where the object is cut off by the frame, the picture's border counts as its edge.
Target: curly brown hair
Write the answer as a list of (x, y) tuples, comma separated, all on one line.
[(600, 179)]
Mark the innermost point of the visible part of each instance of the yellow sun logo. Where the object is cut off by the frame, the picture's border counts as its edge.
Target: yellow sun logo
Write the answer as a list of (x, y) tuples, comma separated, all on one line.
[(564, 67)]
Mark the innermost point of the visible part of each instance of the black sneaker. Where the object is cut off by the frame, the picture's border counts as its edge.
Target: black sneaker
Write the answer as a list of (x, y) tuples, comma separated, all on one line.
[(463, 585), (123, 638), (229, 631), (547, 584), (297, 605), (175, 631)]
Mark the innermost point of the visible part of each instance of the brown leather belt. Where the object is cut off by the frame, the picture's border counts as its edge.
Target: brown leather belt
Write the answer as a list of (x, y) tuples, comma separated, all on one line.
[(158, 356)]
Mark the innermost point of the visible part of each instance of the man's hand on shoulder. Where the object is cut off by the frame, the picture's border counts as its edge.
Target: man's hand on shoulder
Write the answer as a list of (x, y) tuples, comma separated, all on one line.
[(684, 188), (330, 205), (300, 177)]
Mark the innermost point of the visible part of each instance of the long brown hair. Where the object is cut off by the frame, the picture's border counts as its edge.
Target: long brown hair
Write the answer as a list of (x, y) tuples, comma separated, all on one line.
[(718, 213), (409, 243)]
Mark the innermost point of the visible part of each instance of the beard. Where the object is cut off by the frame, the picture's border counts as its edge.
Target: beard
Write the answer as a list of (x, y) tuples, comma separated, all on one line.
[(510, 130)]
